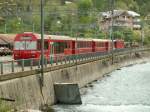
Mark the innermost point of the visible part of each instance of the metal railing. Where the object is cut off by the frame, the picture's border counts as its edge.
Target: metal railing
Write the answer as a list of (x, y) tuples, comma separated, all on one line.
[(14, 66)]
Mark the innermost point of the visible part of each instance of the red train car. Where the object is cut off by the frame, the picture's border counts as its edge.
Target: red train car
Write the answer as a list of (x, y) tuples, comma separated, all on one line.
[(119, 44), (83, 46), (101, 45), (28, 45), (61, 45)]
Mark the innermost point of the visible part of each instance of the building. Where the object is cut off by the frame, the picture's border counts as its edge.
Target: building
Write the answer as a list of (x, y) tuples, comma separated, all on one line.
[(122, 18), (6, 40)]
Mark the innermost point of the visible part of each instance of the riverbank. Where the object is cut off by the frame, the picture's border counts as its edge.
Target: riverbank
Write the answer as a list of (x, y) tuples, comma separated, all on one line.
[(123, 90), (27, 93)]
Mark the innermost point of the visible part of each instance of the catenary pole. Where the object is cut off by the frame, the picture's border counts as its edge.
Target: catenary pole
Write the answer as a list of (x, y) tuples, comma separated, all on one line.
[(111, 28), (42, 42)]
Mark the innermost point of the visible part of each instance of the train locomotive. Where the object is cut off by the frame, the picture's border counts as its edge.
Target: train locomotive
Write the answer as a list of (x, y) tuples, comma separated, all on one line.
[(27, 45)]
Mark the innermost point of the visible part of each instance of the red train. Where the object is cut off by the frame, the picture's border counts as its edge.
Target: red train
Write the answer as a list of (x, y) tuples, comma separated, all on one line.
[(28, 45)]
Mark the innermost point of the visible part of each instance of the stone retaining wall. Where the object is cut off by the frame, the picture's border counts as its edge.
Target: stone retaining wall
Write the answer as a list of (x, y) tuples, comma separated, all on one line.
[(27, 93)]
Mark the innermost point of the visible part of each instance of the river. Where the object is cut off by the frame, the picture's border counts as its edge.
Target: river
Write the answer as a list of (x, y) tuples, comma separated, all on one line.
[(124, 90)]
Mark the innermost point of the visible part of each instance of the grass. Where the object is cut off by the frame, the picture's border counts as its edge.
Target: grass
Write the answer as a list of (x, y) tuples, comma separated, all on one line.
[(4, 107)]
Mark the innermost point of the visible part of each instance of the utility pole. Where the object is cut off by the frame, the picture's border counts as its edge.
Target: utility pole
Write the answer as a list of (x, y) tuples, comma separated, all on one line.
[(142, 37), (76, 45), (111, 28), (5, 28), (142, 34), (42, 42), (33, 27)]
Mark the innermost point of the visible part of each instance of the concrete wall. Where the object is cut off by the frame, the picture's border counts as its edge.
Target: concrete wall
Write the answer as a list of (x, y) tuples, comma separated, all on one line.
[(27, 93)]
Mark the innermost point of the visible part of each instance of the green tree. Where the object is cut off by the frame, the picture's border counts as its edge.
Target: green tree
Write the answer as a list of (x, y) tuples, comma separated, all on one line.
[(62, 17), (118, 35)]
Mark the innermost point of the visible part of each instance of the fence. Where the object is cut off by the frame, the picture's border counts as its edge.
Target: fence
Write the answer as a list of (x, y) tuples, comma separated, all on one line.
[(14, 66)]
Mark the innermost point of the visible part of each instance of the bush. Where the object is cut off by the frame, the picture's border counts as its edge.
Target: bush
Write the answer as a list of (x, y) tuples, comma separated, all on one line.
[(4, 107), (137, 36), (118, 35)]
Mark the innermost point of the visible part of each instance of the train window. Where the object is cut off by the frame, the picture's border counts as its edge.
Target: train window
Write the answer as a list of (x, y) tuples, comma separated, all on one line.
[(46, 45), (68, 45), (25, 45), (88, 44), (18, 45), (59, 47), (81, 44), (84, 44), (100, 44), (39, 45), (30, 45), (78, 44), (96, 44)]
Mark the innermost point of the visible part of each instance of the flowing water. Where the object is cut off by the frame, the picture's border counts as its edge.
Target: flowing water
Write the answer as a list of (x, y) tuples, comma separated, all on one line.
[(125, 90)]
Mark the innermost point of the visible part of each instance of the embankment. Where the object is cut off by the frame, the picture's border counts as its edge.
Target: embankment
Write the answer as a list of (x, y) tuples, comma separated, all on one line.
[(25, 92)]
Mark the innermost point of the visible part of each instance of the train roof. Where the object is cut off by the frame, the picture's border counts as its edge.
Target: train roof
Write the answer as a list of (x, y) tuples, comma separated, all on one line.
[(83, 39), (53, 37), (101, 40), (39, 36), (58, 37)]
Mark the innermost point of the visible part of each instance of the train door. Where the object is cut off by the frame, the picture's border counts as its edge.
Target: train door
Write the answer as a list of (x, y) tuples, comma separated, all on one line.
[(46, 49), (73, 47), (93, 46), (108, 45), (23, 45)]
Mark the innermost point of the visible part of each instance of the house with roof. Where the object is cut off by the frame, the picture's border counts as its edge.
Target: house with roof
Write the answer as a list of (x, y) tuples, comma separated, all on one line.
[(121, 19)]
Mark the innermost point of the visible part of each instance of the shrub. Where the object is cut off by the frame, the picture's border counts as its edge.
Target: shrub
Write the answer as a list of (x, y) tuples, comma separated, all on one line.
[(4, 107)]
